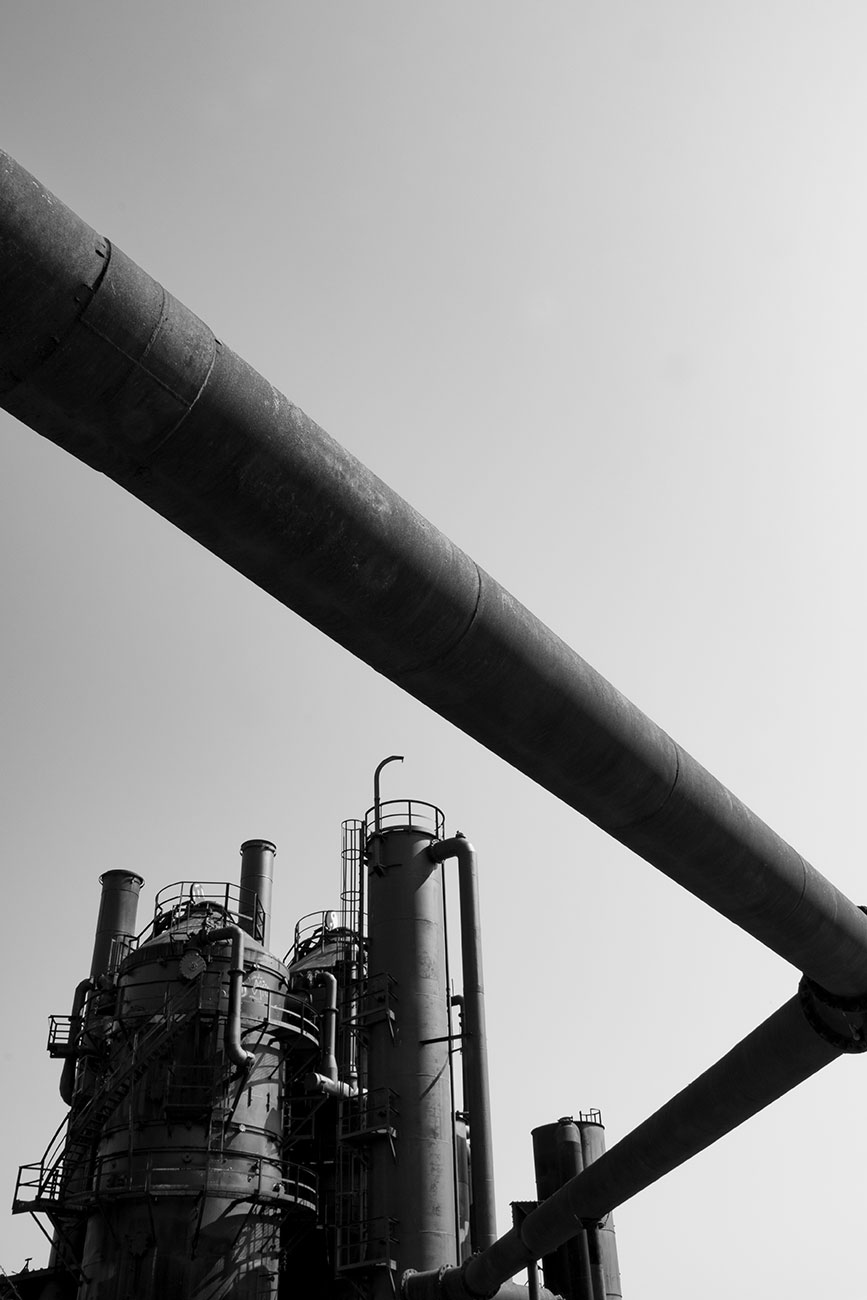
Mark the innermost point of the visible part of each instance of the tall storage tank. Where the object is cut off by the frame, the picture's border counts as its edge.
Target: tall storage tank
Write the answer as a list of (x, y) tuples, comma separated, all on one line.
[(194, 1125), (174, 1155)]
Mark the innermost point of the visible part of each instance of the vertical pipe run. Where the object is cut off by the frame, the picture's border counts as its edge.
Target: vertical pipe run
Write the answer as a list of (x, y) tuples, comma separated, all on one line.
[(474, 1041), (118, 906), (570, 1162), (593, 1146), (257, 878), (597, 1272), (234, 1048)]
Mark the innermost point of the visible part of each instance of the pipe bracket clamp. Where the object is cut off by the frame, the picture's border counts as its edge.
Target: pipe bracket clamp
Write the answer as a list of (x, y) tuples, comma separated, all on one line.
[(813, 997)]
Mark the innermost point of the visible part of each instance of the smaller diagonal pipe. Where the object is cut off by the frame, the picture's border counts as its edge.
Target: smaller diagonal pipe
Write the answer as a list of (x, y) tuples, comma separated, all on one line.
[(777, 1056)]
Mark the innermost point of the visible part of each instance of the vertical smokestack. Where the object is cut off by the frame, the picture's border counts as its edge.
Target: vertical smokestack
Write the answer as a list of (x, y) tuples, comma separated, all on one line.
[(547, 1161), (117, 912), (257, 876), (570, 1161)]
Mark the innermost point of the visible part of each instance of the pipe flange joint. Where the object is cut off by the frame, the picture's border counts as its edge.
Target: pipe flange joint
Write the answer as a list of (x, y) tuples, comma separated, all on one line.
[(835, 1001), (445, 1282), (851, 1037)]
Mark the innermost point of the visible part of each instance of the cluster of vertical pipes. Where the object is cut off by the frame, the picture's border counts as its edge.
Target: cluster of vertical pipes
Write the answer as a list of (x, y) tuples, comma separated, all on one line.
[(412, 1183), (585, 1267)]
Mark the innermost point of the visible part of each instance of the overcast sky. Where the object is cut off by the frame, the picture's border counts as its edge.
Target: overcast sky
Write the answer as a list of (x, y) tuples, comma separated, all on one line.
[(586, 283)]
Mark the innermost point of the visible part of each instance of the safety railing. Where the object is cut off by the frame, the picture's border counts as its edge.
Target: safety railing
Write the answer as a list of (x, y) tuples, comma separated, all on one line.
[(181, 1170), (39, 1184), (47, 1182), (201, 901), (185, 898), (330, 934), (293, 1018), (366, 1244), (370, 1115), (377, 1000), (63, 1035), (405, 815)]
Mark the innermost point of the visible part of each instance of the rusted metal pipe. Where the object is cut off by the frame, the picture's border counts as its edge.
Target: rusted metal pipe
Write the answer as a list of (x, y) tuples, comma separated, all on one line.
[(781, 1053), (475, 1040), (96, 356)]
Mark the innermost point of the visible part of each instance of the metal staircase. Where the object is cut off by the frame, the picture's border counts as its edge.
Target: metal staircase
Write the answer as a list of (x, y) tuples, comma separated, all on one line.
[(61, 1180)]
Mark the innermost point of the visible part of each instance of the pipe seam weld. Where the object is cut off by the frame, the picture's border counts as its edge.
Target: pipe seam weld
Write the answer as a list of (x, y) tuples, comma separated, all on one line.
[(426, 665)]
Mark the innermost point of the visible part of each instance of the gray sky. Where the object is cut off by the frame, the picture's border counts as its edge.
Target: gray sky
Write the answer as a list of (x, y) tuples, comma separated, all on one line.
[(585, 283)]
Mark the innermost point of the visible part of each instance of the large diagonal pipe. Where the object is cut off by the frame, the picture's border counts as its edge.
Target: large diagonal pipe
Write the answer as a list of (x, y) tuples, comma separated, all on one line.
[(95, 355)]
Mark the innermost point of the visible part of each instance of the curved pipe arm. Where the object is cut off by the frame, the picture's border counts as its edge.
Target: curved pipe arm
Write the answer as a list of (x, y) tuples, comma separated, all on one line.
[(67, 1075), (377, 819), (320, 1083), (236, 1053), (475, 1042)]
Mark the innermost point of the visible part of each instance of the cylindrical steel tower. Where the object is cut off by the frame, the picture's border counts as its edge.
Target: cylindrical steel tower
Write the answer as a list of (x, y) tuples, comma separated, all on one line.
[(412, 1185), (170, 1178), (188, 1172)]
